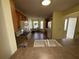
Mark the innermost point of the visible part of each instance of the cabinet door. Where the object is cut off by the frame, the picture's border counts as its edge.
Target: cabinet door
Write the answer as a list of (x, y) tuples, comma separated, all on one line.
[(14, 16)]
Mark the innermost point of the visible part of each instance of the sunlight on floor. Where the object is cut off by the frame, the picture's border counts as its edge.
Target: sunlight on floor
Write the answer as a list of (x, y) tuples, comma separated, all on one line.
[(46, 43)]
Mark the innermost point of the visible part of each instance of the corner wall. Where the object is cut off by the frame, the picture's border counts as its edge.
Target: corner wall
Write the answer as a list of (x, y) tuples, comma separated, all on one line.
[(7, 36), (58, 25), (58, 21), (72, 10)]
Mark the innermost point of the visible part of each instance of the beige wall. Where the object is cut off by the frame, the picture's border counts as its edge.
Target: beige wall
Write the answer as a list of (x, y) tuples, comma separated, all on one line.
[(7, 37), (77, 30), (58, 21), (58, 25)]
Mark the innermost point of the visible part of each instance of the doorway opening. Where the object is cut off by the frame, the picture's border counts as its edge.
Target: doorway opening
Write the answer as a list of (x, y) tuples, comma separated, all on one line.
[(70, 26)]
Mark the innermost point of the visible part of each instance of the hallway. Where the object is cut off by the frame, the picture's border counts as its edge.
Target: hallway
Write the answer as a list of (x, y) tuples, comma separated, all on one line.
[(28, 39), (67, 51), (39, 36), (37, 29)]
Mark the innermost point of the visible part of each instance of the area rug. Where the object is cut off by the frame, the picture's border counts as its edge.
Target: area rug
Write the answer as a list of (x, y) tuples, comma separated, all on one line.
[(46, 43)]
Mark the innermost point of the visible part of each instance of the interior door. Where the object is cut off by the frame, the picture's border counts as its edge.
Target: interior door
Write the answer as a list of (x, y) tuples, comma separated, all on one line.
[(71, 28)]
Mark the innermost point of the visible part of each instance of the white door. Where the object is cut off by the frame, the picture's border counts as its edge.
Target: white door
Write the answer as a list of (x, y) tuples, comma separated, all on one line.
[(71, 28)]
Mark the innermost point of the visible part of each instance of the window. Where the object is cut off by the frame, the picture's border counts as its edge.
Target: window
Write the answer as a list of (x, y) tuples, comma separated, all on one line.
[(41, 24), (35, 24), (49, 24), (65, 24)]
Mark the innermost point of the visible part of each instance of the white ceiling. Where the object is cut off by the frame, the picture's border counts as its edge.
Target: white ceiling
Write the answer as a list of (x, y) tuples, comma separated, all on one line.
[(34, 7)]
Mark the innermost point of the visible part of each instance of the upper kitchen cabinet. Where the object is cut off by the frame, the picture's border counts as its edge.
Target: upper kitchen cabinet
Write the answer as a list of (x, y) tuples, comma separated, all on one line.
[(17, 16), (21, 15), (14, 16)]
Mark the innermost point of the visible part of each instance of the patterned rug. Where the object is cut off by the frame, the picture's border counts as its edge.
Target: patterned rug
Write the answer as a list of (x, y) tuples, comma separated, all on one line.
[(46, 43)]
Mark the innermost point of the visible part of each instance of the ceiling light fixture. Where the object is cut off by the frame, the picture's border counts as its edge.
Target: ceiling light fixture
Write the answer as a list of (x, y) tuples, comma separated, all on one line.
[(46, 2)]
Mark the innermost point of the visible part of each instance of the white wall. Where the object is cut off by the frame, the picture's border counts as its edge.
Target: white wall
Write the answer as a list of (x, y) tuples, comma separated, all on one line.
[(7, 37)]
